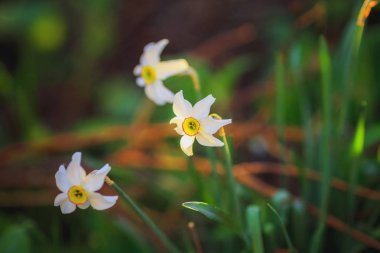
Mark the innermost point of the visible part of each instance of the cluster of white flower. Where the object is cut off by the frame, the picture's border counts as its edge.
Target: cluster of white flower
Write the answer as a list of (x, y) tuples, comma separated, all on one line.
[(192, 122)]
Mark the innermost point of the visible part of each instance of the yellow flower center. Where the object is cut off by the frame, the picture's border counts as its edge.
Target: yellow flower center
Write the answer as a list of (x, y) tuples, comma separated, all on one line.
[(191, 126), (77, 195), (148, 74)]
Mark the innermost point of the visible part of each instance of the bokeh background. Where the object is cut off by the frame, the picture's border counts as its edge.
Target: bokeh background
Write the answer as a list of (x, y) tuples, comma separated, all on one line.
[(66, 85)]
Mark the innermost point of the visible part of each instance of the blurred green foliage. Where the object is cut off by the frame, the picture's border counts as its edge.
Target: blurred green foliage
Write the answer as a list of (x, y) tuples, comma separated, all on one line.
[(54, 77)]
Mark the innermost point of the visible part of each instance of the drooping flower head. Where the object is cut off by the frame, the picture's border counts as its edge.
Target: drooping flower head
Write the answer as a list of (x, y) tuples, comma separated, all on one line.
[(152, 71), (195, 123), (78, 189)]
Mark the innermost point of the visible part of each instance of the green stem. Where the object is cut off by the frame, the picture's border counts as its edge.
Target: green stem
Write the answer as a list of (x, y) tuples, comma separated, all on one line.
[(231, 180), (350, 75), (192, 73), (254, 228), (280, 109), (214, 176), (287, 238), (145, 218), (197, 179), (357, 148), (325, 62)]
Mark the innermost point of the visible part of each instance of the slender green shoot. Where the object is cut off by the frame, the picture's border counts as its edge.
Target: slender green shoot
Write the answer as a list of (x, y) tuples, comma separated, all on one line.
[(286, 235), (254, 228), (357, 148), (280, 107), (353, 54), (325, 62), (231, 181), (145, 218)]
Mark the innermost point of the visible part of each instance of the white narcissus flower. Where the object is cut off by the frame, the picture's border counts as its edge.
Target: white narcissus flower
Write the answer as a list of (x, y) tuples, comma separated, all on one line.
[(151, 72), (195, 123), (78, 189)]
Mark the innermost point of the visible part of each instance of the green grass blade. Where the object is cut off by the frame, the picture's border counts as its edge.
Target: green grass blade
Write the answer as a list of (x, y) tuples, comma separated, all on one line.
[(214, 213), (285, 232), (254, 228), (280, 106), (325, 64), (357, 145)]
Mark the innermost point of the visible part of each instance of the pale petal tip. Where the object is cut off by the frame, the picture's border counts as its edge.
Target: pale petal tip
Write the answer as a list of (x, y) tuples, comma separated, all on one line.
[(61, 168), (112, 200), (179, 93), (105, 169), (140, 82), (163, 42), (137, 70), (178, 96), (188, 152), (77, 156)]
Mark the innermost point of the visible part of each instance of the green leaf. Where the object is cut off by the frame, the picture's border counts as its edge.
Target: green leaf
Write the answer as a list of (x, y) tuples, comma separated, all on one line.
[(254, 228), (15, 239), (213, 213), (357, 145)]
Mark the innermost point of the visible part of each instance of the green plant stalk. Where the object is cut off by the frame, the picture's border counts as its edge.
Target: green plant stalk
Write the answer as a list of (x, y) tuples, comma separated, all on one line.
[(307, 128), (356, 152), (145, 218), (299, 228), (232, 186), (214, 177), (192, 73), (325, 61), (197, 179), (347, 91), (280, 108), (254, 228), (286, 235)]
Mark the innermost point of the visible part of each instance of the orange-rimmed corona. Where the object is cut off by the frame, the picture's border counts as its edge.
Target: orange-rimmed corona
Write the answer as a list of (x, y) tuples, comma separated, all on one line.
[(77, 195), (191, 126)]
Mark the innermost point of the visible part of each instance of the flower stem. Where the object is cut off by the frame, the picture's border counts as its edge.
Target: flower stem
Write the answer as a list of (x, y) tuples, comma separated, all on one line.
[(165, 241), (229, 172), (231, 178), (286, 235), (192, 73)]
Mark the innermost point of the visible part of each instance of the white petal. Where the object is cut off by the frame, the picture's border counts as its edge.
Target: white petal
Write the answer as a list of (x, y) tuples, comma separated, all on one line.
[(187, 144), (209, 140), (211, 126), (165, 69), (158, 93), (140, 81), (202, 108), (178, 121), (85, 205), (75, 172), (67, 207), (60, 199), (152, 52), (61, 179), (137, 70), (151, 93), (164, 93), (95, 180), (149, 46), (100, 202), (181, 107)]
